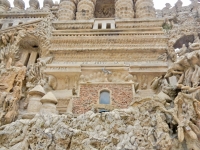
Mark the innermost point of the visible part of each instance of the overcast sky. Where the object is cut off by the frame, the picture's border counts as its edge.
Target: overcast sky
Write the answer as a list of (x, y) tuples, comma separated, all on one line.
[(159, 4)]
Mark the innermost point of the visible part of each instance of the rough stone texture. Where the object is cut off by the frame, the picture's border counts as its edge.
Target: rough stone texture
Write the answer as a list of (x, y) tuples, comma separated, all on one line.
[(149, 64)]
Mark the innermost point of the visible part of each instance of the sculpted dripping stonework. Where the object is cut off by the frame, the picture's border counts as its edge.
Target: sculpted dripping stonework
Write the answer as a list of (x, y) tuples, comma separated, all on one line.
[(99, 75)]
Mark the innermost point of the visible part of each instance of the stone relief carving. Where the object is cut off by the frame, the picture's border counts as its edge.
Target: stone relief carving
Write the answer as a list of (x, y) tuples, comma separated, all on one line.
[(34, 5), (4, 5), (19, 5), (124, 9), (105, 77), (85, 10), (144, 9), (167, 120), (67, 10), (105, 9)]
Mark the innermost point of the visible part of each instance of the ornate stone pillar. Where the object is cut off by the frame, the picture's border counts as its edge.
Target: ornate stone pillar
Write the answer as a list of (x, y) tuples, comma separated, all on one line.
[(34, 5), (34, 104), (4, 5), (49, 102), (47, 4), (124, 9), (85, 10), (67, 10), (145, 9), (19, 5)]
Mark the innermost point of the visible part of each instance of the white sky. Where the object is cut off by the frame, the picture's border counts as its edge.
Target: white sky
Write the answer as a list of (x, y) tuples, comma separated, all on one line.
[(159, 4)]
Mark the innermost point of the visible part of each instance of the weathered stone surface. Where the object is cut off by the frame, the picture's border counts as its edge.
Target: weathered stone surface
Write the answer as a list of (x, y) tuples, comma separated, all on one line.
[(99, 75)]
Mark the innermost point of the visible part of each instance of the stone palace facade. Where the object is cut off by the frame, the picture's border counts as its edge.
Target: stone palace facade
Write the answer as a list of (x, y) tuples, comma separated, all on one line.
[(84, 58)]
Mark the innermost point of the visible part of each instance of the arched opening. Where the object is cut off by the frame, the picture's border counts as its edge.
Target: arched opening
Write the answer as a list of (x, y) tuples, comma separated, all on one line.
[(29, 49), (104, 99)]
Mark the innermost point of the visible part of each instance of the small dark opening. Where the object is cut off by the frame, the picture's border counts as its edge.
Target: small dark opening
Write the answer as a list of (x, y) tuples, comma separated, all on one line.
[(35, 46), (108, 26), (99, 26), (38, 56), (27, 59), (20, 23), (10, 24), (1, 25)]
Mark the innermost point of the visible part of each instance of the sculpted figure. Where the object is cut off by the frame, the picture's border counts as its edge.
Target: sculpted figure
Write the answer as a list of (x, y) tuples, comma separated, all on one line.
[(164, 141), (182, 51), (156, 83), (196, 44), (11, 105), (2, 98)]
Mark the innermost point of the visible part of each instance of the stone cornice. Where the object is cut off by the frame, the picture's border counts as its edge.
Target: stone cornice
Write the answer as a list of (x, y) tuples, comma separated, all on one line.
[(73, 24), (24, 14), (24, 25)]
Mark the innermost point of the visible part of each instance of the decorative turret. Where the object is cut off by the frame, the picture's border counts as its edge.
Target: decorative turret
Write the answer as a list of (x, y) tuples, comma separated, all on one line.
[(124, 9), (34, 105), (4, 5), (178, 5), (34, 5), (49, 102), (85, 9), (145, 9), (19, 5), (47, 4), (67, 10)]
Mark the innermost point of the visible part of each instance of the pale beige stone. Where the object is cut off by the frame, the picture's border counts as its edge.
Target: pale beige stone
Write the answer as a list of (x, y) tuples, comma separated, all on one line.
[(49, 102)]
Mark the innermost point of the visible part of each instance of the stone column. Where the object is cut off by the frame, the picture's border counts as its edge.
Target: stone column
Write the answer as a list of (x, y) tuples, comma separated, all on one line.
[(124, 9), (34, 105), (66, 10), (19, 5), (4, 5), (85, 10), (34, 5), (49, 103), (47, 4), (145, 9)]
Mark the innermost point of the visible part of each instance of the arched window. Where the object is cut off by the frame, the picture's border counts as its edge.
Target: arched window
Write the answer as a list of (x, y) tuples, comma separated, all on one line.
[(104, 97)]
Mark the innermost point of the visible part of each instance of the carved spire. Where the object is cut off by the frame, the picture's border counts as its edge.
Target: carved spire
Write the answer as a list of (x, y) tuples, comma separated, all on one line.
[(85, 9), (19, 5), (49, 102), (178, 5), (124, 9), (145, 9), (67, 10), (47, 4), (4, 5), (34, 5)]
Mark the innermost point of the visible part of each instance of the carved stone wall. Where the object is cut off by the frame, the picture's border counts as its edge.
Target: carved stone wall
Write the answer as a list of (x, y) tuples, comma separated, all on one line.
[(145, 9), (85, 10), (66, 10), (124, 9), (105, 9)]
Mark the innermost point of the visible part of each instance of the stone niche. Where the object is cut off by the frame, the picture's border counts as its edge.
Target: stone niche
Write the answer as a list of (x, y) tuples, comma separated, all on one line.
[(105, 9)]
